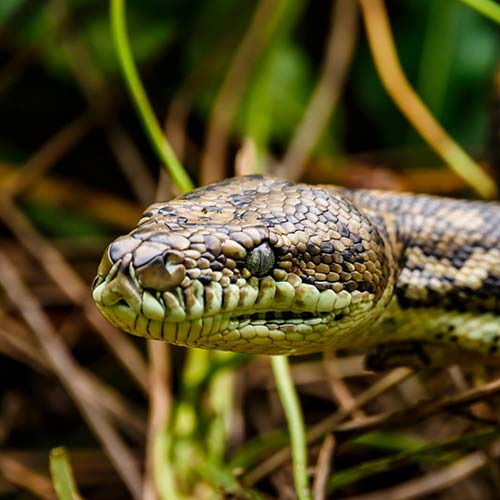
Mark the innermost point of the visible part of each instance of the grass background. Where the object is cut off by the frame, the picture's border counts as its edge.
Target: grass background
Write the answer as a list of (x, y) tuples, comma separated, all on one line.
[(230, 82)]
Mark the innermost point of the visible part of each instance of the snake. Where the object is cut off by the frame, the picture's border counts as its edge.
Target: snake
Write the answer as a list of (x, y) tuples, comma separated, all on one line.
[(262, 265)]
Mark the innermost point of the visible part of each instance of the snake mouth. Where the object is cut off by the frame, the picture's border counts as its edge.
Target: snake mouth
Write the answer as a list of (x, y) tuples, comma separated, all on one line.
[(272, 330), (281, 317), (251, 315), (257, 318)]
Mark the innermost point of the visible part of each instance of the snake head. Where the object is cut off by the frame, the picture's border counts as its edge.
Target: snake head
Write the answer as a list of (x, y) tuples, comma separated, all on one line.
[(252, 264)]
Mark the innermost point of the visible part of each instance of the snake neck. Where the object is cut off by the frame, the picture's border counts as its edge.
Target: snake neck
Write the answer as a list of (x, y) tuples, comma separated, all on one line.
[(447, 250)]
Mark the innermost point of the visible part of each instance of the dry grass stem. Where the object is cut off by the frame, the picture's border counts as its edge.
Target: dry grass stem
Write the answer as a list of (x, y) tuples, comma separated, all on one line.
[(70, 375), (97, 204), (435, 481), (159, 409), (73, 286), (337, 61), (131, 163), (129, 419), (21, 349), (49, 154), (322, 471), (330, 423), (25, 478), (423, 409), (246, 157), (231, 90), (176, 119), (394, 80), (339, 388)]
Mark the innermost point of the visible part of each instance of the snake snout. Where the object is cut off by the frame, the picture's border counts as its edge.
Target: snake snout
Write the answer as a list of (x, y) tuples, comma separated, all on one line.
[(117, 286), (120, 289), (132, 269)]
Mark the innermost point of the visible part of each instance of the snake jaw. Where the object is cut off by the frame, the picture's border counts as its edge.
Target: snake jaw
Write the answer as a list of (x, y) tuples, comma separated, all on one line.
[(290, 317)]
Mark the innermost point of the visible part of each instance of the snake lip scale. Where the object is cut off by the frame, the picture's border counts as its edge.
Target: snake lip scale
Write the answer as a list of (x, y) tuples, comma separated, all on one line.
[(261, 265)]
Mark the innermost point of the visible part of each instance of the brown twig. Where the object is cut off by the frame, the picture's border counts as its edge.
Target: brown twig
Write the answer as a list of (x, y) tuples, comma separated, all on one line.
[(322, 472), (329, 424), (336, 63), (176, 119), (70, 374), (76, 290), (131, 162), (12, 409), (117, 408), (339, 388), (91, 466), (422, 409), (15, 336), (244, 163), (434, 481), (228, 97), (15, 344), (45, 158), (159, 409), (27, 479), (404, 96), (98, 204)]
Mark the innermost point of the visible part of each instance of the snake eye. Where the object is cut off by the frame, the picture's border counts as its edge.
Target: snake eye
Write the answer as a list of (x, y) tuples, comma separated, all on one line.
[(260, 260)]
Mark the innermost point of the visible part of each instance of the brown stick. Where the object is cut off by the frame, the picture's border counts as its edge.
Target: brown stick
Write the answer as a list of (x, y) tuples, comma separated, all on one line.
[(329, 424), (434, 481), (339, 388), (22, 476), (73, 286), (323, 468), (70, 374), (228, 97), (422, 409), (159, 409), (45, 158), (404, 96), (337, 61)]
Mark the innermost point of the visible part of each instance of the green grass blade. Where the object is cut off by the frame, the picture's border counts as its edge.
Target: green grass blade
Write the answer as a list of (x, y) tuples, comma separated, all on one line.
[(291, 406), (153, 130), (62, 475), (486, 7)]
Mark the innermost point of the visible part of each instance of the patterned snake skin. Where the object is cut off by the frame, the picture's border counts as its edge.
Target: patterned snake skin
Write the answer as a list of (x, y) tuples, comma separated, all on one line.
[(261, 265)]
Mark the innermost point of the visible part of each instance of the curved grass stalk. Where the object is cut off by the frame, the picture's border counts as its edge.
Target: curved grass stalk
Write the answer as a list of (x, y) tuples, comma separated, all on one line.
[(62, 475), (488, 8), (391, 74), (152, 128), (293, 413)]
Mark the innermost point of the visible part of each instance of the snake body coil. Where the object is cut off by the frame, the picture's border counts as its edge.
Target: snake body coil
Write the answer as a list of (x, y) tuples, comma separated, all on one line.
[(261, 265)]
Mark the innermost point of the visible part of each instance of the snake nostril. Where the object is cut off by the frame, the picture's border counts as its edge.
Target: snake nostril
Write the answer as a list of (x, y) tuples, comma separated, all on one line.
[(162, 273), (122, 302), (117, 288)]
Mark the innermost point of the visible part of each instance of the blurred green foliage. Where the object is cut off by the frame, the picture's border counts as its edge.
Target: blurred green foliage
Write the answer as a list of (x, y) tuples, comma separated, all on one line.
[(183, 49), (448, 51)]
